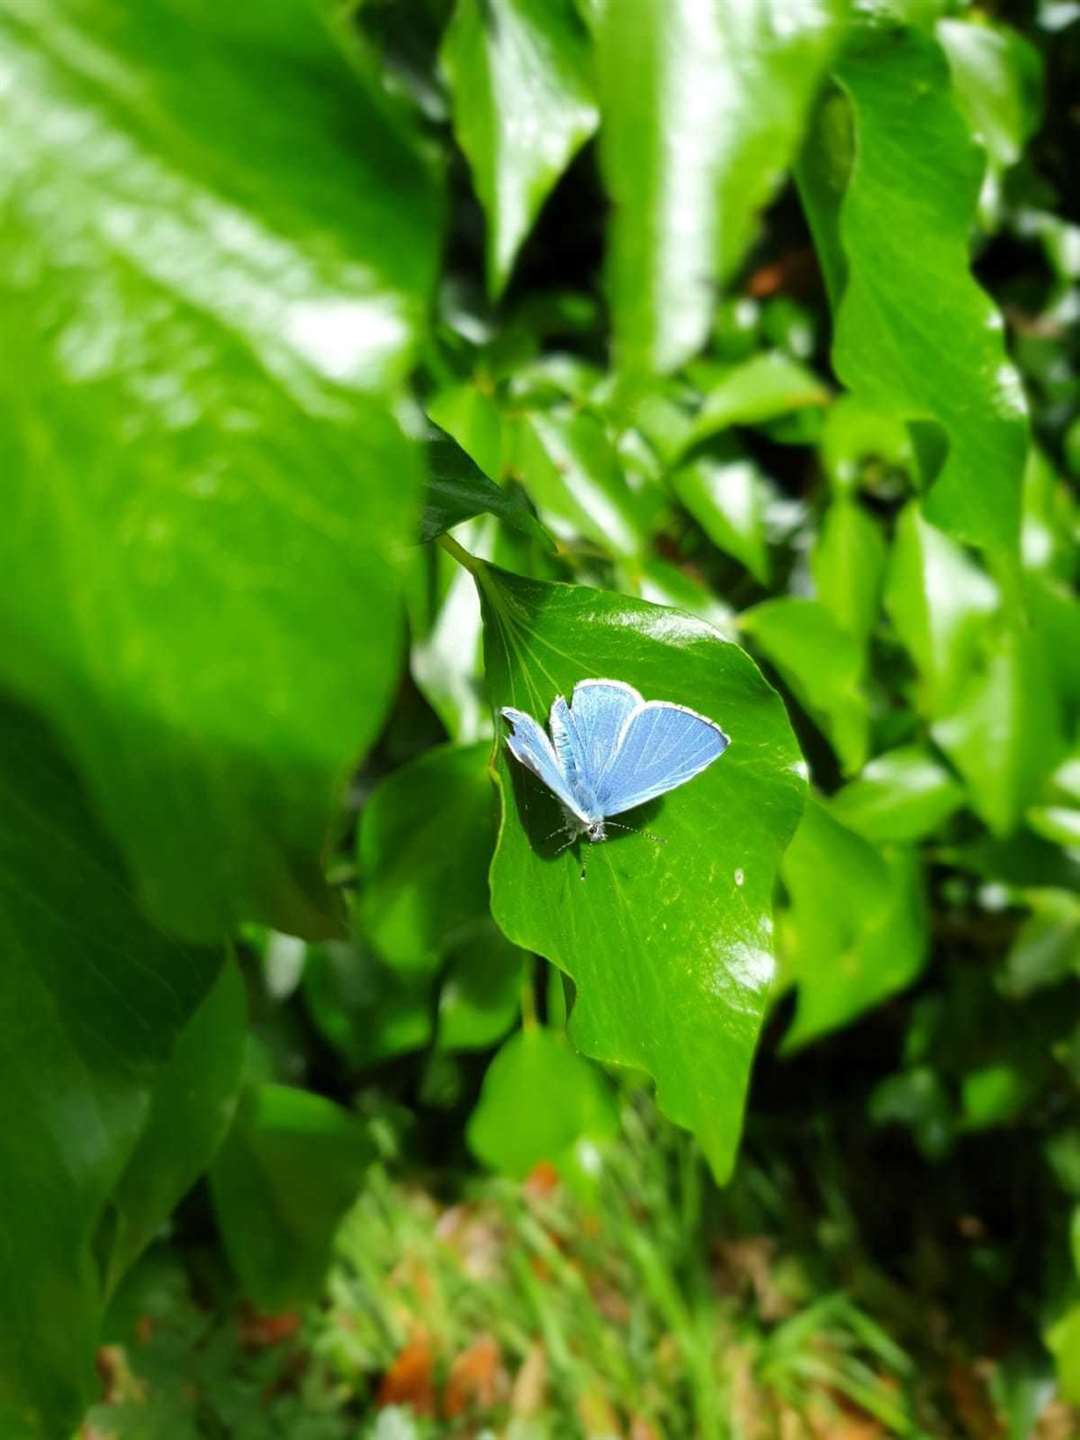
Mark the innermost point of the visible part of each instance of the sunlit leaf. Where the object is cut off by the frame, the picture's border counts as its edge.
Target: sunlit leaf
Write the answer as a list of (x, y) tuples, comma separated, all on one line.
[(728, 496), (848, 565), (766, 386), (914, 333), (221, 243), (668, 943), (821, 663), (522, 105), (904, 795), (703, 108)]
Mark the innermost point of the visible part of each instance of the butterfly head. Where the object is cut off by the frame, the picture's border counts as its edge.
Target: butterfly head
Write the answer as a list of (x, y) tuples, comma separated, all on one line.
[(596, 832)]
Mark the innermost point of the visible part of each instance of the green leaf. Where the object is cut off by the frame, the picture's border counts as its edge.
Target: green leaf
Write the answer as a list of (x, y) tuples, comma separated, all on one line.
[(457, 489), (862, 447), (668, 944), (904, 795), (1063, 1340), (1046, 950), (92, 1001), (856, 929), (222, 244), (445, 657), (1004, 733), (938, 601), (821, 663), (914, 333), (191, 1109), (766, 386), (365, 1010), (425, 842), (703, 107), (291, 1166), (997, 77), (539, 1101), (571, 470), (848, 566), (728, 496), (480, 993), (518, 72)]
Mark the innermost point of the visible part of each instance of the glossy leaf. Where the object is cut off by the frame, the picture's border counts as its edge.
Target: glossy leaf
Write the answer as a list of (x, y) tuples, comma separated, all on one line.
[(939, 601), (1004, 733), (1046, 950), (998, 80), (904, 795), (221, 243), (914, 333), (766, 386), (539, 1102), (703, 107), (856, 929), (668, 944), (821, 663), (522, 106), (728, 496), (425, 842), (864, 447), (572, 473), (191, 1109), (92, 1001), (445, 659), (457, 489), (848, 566), (291, 1166), (480, 992)]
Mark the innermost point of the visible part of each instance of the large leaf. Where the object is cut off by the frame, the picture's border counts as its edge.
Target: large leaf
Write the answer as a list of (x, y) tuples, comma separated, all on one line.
[(703, 106), (290, 1168), (669, 943), (217, 249), (425, 842), (914, 333), (522, 104), (191, 1109), (856, 929), (92, 1001)]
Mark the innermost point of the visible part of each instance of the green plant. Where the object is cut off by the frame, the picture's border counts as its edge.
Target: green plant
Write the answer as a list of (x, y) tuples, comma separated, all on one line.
[(785, 434)]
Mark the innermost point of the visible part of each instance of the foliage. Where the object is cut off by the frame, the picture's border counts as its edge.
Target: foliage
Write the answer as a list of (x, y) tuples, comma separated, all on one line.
[(372, 368)]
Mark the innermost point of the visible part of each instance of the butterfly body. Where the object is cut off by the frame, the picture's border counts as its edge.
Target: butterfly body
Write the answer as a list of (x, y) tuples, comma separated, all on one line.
[(610, 750)]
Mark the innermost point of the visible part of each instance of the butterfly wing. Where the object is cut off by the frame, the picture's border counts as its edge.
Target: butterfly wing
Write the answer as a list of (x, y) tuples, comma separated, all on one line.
[(661, 746), (591, 727), (530, 745)]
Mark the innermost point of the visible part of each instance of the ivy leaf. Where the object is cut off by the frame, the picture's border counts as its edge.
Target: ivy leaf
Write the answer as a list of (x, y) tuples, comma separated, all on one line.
[(480, 992), (821, 663), (223, 242), (292, 1165), (457, 489), (425, 841), (904, 795), (848, 566), (522, 105), (765, 387), (939, 601), (191, 1109), (668, 944), (364, 1009), (914, 333), (511, 1133), (998, 79), (728, 496), (703, 108), (1004, 734), (856, 929), (92, 1001)]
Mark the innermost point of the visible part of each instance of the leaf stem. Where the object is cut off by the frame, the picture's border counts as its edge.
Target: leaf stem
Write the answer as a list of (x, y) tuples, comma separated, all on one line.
[(460, 554)]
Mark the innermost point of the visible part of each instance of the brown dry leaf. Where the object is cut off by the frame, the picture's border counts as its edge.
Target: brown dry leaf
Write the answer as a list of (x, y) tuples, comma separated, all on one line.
[(1057, 1421), (411, 1378), (969, 1391), (750, 1264), (476, 1238), (257, 1331), (529, 1395), (477, 1379), (642, 1429), (542, 1180)]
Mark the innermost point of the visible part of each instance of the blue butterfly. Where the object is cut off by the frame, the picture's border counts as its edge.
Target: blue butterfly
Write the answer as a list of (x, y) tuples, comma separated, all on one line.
[(610, 751)]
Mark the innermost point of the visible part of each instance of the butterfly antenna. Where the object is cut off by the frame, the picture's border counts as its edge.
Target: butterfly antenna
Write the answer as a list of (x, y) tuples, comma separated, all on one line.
[(649, 835)]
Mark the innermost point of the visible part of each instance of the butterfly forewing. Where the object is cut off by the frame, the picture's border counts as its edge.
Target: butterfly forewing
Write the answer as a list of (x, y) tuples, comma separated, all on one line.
[(661, 747), (599, 710), (530, 745)]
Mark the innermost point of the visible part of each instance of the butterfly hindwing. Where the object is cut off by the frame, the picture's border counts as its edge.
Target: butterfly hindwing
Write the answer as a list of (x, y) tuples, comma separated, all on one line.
[(530, 745), (660, 747)]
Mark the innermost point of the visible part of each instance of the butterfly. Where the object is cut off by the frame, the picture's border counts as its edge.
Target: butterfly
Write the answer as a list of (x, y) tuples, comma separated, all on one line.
[(610, 750)]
